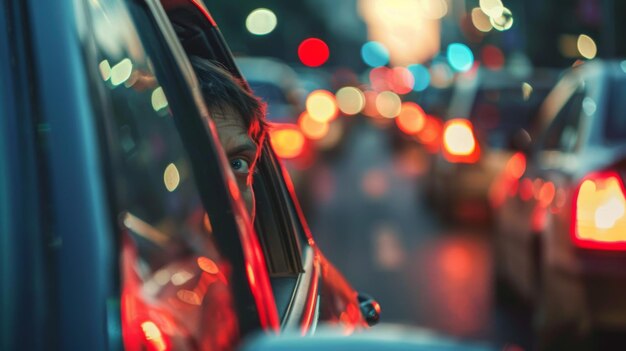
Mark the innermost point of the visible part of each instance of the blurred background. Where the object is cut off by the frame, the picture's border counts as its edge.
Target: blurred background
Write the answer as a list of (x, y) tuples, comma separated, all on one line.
[(400, 123)]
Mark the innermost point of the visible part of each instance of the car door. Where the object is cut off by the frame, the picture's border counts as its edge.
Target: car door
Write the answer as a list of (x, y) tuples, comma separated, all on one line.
[(206, 225), (554, 147), (306, 286), (137, 238)]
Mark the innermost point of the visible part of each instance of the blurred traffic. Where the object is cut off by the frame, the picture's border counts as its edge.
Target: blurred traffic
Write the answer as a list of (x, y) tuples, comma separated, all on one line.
[(461, 160), (453, 169)]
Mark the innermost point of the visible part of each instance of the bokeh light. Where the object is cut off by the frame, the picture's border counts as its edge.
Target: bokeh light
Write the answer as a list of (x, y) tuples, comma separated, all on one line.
[(421, 77), (502, 22), (374, 54), (105, 70), (434, 9), (492, 57), (379, 78), (313, 52), (480, 20), (586, 46), (287, 141), (388, 104), (370, 109), (311, 128), (400, 80), (158, 99), (411, 119), (430, 135), (492, 8), (460, 57), (321, 105), (350, 100), (527, 89), (458, 137), (121, 71), (261, 21), (171, 177)]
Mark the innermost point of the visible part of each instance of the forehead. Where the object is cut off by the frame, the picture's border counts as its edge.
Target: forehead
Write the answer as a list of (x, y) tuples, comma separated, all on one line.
[(231, 127)]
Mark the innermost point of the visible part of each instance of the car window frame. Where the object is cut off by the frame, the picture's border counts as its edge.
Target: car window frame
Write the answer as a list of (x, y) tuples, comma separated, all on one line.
[(290, 219), (173, 72)]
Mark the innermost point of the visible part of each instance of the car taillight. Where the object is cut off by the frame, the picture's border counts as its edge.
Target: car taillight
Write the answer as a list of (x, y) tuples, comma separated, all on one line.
[(599, 207), (459, 141)]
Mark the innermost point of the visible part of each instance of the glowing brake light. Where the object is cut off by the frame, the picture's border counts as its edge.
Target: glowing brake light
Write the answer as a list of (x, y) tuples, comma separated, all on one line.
[(459, 142), (599, 219)]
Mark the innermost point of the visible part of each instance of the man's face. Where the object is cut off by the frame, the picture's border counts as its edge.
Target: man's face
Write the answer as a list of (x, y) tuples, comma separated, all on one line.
[(240, 149)]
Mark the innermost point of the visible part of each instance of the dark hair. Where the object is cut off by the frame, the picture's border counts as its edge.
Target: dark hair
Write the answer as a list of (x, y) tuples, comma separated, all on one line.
[(221, 89)]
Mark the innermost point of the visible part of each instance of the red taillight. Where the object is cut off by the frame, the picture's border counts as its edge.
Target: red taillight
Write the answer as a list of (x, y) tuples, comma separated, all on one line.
[(599, 212), (459, 142)]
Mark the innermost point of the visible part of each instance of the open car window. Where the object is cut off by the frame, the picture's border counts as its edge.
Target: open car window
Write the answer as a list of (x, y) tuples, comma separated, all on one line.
[(190, 277), (275, 216)]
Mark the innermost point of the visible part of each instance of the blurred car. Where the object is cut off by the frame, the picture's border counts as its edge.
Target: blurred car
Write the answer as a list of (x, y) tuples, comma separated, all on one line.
[(560, 230), (385, 337), (485, 109), (122, 226)]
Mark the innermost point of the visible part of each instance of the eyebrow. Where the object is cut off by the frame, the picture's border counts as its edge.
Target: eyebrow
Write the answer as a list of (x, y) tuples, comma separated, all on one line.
[(242, 148)]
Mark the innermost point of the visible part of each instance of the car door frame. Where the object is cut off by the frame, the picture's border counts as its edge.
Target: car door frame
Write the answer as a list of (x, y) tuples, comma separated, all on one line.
[(302, 309)]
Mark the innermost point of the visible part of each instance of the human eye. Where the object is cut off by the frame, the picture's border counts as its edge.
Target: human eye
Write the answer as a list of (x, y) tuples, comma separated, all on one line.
[(240, 165)]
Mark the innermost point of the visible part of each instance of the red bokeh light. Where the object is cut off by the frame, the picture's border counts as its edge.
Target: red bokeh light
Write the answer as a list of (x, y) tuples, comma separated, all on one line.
[(401, 80), (313, 52), (492, 57), (379, 78)]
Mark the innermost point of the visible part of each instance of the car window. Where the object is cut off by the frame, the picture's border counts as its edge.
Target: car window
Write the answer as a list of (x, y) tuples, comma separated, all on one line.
[(275, 219), (175, 281), (498, 113), (562, 134)]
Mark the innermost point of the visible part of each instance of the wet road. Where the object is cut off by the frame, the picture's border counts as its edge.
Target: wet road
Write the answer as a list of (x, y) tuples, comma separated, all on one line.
[(369, 217)]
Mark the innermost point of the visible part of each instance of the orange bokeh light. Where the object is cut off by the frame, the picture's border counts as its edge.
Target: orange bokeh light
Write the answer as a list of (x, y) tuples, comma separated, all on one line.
[(411, 119), (287, 141), (546, 194), (311, 128), (516, 166), (208, 265), (430, 135), (370, 109)]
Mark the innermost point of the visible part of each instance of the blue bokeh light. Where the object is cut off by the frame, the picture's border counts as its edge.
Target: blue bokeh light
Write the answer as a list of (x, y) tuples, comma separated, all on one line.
[(374, 54), (421, 75), (460, 57)]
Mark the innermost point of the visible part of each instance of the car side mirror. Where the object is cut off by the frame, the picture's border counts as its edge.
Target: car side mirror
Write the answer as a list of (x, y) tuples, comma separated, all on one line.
[(370, 308), (520, 140)]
